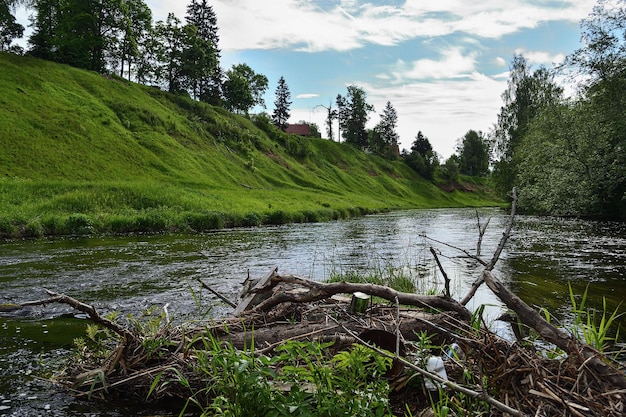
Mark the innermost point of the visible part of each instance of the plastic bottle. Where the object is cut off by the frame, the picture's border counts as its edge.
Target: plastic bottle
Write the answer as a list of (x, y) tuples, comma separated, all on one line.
[(435, 366)]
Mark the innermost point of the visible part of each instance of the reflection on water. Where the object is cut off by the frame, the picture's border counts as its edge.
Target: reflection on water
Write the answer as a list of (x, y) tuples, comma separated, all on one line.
[(130, 274)]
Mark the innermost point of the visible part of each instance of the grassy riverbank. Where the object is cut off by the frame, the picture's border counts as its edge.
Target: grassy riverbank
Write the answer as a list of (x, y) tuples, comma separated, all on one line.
[(83, 153)]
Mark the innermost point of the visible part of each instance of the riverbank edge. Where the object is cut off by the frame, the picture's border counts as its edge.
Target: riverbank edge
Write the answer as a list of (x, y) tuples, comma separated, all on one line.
[(29, 221)]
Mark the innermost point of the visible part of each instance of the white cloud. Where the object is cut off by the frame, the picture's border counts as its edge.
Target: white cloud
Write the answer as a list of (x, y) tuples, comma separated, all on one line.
[(541, 57), (453, 64), (309, 25), (307, 95)]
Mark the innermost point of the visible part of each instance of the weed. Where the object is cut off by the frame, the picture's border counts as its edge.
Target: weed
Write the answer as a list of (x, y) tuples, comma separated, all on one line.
[(592, 329)]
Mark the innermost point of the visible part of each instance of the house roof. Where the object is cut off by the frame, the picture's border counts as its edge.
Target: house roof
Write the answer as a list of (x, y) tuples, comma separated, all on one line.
[(299, 129)]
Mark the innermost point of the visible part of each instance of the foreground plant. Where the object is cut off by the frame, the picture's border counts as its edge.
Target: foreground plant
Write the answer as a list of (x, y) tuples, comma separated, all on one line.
[(301, 379), (593, 330)]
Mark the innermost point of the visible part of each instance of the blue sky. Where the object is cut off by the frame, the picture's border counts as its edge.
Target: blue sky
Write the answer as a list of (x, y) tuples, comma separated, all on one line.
[(442, 64)]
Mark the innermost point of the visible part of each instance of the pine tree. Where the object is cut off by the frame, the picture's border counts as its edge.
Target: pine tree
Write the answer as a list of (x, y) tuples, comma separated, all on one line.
[(207, 85), (281, 110), (387, 142)]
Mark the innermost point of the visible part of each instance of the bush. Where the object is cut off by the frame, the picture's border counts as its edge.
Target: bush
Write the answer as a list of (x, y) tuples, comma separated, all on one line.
[(79, 224)]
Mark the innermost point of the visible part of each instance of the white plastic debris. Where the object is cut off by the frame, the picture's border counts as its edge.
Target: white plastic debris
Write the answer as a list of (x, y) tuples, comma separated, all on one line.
[(435, 366)]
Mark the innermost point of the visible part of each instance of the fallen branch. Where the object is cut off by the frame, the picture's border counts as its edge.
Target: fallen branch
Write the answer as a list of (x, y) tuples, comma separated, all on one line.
[(87, 309), (496, 255), (318, 291), (217, 294), (528, 316)]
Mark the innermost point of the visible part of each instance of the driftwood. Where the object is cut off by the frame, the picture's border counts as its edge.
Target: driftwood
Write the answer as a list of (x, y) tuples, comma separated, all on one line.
[(589, 357), (319, 291)]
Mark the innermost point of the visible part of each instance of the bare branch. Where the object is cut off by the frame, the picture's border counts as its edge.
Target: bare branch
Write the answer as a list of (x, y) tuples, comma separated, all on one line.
[(319, 291), (90, 311), (446, 280)]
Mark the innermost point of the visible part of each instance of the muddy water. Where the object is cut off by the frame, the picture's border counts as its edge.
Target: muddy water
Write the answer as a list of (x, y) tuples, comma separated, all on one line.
[(132, 274)]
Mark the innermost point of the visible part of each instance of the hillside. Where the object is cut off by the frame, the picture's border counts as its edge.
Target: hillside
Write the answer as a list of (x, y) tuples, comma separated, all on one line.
[(83, 153)]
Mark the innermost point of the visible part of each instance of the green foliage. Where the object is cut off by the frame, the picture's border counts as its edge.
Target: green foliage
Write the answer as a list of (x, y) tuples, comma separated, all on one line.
[(473, 154), (300, 380), (593, 330), (383, 139), (352, 113), (9, 28), (571, 163), (244, 88), (527, 93), (422, 159), (567, 157), (281, 104)]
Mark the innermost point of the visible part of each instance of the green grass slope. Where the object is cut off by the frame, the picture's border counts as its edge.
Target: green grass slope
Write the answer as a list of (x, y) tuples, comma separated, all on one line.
[(86, 153)]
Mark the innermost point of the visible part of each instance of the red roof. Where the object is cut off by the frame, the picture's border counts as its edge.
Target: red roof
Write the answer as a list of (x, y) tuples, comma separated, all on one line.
[(299, 129)]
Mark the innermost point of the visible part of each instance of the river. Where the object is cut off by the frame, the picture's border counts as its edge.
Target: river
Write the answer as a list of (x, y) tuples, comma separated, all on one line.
[(131, 274)]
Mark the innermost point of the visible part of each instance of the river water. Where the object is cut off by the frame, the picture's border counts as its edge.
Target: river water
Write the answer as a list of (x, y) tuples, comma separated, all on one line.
[(132, 274)]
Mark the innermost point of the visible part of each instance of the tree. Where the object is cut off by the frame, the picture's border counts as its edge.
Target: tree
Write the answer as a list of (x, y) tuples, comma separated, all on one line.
[(9, 28), (604, 40), (571, 160), (422, 159), (207, 84), (244, 89), (421, 145), (45, 23), (473, 154), (281, 105), (526, 94), (197, 62), (169, 45), (135, 26), (385, 139), (331, 115), (353, 111)]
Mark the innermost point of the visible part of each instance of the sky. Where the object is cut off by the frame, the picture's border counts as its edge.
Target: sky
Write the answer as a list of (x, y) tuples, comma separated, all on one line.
[(443, 65)]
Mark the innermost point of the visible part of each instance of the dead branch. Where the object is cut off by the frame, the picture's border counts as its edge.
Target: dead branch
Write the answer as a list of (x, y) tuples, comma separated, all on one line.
[(496, 255), (589, 356), (506, 234), (318, 291), (467, 253), (446, 280), (481, 232), (217, 294), (87, 309)]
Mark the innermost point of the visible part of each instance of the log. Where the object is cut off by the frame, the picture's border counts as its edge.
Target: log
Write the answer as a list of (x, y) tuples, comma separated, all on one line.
[(257, 294), (276, 333), (319, 291), (588, 355)]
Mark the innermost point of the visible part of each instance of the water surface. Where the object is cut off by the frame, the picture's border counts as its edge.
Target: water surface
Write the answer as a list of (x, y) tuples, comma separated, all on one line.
[(132, 274)]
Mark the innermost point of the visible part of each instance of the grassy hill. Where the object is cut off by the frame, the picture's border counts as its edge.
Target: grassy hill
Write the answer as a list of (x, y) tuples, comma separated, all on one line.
[(86, 153)]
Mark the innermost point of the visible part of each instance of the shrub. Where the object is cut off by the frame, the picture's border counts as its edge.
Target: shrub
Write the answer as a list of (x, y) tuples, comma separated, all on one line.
[(79, 224)]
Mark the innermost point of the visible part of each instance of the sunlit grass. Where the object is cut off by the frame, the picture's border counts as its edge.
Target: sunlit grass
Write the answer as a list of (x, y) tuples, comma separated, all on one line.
[(109, 156)]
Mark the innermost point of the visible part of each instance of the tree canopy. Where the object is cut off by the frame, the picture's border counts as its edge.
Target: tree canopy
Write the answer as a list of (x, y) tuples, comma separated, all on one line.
[(473, 154), (353, 111), (569, 158), (244, 89)]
